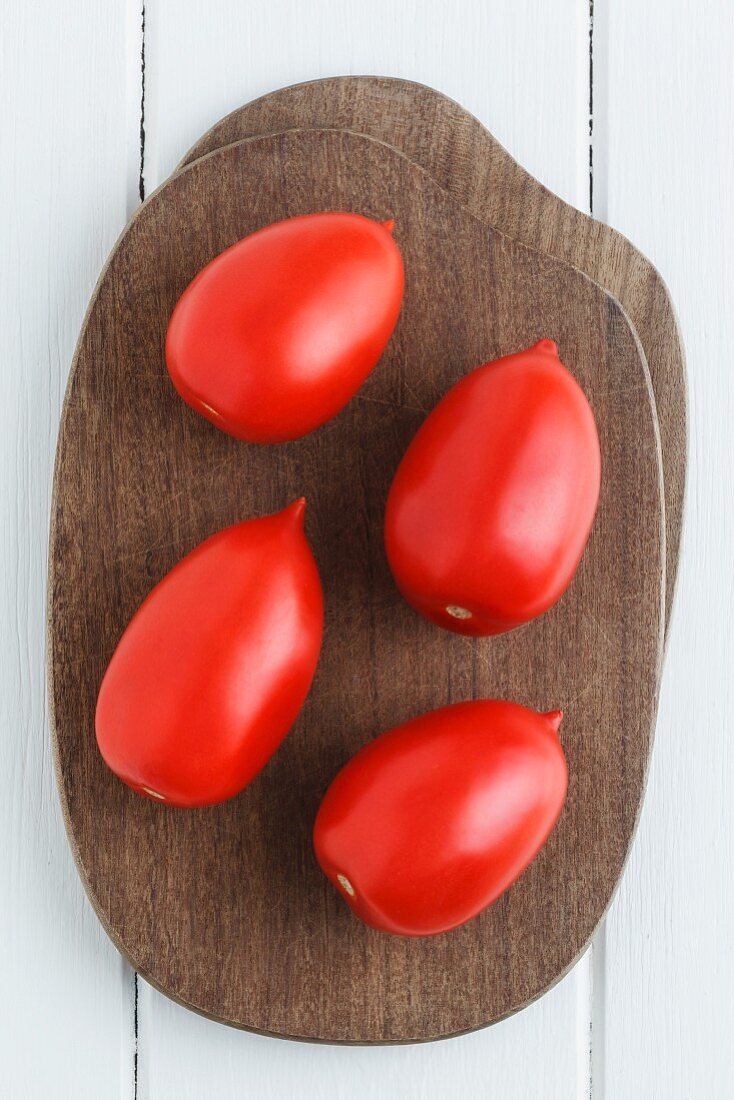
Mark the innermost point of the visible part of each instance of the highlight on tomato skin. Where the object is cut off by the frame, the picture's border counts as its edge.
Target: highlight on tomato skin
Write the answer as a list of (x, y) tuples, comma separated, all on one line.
[(493, 502), (277, 333), (432, 821), (215, 665)]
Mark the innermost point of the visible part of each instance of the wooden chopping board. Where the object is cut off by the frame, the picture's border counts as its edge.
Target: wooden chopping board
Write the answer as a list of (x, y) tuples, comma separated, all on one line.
[(464, 158), (224, 909)]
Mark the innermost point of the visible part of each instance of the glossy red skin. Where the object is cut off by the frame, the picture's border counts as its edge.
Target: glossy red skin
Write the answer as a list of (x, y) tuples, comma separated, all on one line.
[(432, 821), (276, 334), (214, 667), (492, 505)]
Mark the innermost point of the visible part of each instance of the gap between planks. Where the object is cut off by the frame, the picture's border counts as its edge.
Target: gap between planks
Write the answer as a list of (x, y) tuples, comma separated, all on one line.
[(135, 53), (595, 39)]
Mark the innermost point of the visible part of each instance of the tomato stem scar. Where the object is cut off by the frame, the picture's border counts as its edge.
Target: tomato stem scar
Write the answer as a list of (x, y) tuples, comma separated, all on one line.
[(153, 794), (458, 612), (209, 409), (345, 885)]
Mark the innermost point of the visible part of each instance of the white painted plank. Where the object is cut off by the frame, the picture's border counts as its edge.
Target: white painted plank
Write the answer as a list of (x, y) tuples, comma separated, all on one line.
[(522, 68), (665, 164), (66, 1015), (531, 1055)]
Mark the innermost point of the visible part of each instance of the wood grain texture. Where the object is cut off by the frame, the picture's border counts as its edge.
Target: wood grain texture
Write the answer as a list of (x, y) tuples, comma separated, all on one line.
[(467, 161), (62, 201), (669, 951), (224, 908)]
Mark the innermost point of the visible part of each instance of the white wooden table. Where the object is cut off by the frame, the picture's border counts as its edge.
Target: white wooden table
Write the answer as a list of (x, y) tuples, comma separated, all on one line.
[(647, 1013)]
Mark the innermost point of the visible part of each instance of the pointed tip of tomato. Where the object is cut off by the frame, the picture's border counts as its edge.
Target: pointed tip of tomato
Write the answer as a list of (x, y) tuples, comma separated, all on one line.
[(389, 225), (295, 512), (554, 717), (547, 345)]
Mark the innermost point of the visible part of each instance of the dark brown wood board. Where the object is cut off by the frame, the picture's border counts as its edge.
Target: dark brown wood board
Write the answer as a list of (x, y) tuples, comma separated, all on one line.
[(467, 161), (224, 909)]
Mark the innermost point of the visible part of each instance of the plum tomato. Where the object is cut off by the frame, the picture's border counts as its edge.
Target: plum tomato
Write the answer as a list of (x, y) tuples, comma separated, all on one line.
[(429, 823), (275, 335), (213, 668), (492, 504)]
